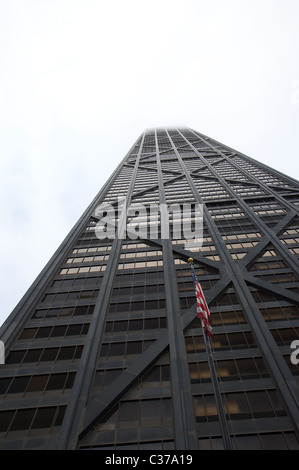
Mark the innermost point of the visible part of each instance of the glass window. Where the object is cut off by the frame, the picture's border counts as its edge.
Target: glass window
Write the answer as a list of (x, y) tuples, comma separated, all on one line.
[(5, 419), (58, 330), (199, 408), (129, 411), (19, 384), (61, 297), (120, 325), (37, 383), (4, 384), (33, 355), (67, 311), (73, 330), (151, 323), (44, 418), (117, 349), (259, 403), (82, 310), (167, 408), (104, 350), (237, 405), (44, 332), (49, 354), (150, 409), (247, 442), (66, 353), (110, 375), (137, 306), (273, 442), (134, 347), (28, 333), (56, 382), (22, 419), (70, 379), (52, 312), (135, 325)]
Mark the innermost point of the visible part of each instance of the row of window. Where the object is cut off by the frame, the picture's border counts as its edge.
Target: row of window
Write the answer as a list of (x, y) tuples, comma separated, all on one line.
[(290, 241), (279, 278), (233, 246), (270, 212), (229, 227), (230, 317), (238, 256), (96, 249), (76, 282), (240, 405), (57, 331), (138, 412), (221, 342), (87, 259), (70, 296), (291, 231), (140, 254), (140, 264), (267, 265), (122, 277), (105, 377), (294, 251), (31, 418), (262, 175), (262, 441), (37, 383), (285, 336), (231, 369), (61, 312), (244, 191), (241, 236), (146, 198), (138, 290), (24, 356), (142, 305), (124, 348), (230, 215), (134, 325), (280, 313), (85, 269), (86, 242)]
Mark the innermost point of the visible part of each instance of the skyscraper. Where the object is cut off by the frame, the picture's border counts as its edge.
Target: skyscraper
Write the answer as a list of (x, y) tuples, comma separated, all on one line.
[(105, 350)]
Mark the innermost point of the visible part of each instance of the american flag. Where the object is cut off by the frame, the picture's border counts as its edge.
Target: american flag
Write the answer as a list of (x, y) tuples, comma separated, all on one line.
[(202, 308)]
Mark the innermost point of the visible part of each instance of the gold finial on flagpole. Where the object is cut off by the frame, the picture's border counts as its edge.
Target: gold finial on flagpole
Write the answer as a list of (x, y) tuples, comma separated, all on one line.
[(190, 260)]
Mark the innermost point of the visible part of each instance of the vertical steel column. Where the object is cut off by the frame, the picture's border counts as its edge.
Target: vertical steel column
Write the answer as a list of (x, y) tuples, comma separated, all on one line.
[(184, 420)]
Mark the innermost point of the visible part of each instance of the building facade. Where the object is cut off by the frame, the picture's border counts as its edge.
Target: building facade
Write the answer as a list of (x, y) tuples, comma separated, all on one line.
[(105, 350)]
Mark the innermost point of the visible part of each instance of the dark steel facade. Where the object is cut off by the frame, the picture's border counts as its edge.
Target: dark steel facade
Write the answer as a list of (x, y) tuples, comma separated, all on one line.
[(105, 351)]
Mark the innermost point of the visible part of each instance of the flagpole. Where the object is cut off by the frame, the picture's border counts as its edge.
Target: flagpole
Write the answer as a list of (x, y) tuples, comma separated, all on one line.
[(217, 394)]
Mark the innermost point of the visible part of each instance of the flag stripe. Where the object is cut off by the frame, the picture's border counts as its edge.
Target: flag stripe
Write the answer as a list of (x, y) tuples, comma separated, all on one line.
[(203, 312)]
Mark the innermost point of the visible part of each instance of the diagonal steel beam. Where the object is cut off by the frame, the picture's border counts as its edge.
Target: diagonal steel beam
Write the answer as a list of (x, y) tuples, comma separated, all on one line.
[(106, 400), (274, 289), (255, 252)]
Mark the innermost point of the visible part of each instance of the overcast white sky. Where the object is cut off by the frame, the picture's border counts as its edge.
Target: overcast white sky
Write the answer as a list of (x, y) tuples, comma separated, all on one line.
[(81, 79)]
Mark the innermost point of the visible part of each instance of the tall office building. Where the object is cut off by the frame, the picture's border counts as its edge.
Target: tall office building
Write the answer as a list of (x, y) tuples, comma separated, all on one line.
[(105, 350)]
